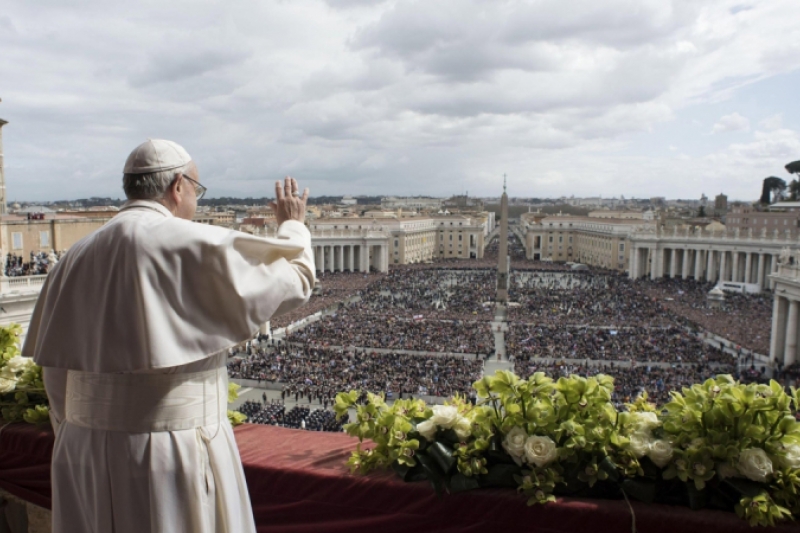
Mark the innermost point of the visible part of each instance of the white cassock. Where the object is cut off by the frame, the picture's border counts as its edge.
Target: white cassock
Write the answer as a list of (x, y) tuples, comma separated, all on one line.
[(133, 327)]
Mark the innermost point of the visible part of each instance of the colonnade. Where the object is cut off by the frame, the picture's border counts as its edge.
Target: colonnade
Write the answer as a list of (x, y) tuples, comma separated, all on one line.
[(732, 265), (350, 257), (783, 343)]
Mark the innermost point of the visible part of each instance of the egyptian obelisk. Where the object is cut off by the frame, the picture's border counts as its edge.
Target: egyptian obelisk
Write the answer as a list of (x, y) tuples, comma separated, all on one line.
[(502, 252), (500, 323)]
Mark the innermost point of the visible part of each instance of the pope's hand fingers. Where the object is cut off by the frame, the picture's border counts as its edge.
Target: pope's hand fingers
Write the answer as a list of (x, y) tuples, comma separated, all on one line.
[(287, 187), (278, 191), (305, 195), (295, 188)]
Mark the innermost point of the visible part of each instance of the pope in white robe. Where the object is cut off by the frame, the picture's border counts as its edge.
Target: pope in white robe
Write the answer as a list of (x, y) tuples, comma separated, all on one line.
[(133, 328)]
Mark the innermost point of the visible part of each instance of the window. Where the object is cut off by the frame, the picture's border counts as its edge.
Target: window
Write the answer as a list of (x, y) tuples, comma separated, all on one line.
[(460, 238), (451, 238), (560, 239), (17, 240), (44, 239), (621, 248), (551, 238)]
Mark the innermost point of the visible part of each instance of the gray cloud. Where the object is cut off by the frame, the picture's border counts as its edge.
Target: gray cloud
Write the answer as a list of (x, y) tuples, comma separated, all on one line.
[(401, 97)]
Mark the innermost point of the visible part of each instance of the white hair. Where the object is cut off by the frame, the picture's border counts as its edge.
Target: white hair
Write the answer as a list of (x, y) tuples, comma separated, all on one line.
[(150, 186)]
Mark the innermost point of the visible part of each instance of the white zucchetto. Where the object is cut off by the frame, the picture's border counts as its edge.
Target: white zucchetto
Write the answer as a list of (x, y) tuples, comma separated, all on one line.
[(155, 155)]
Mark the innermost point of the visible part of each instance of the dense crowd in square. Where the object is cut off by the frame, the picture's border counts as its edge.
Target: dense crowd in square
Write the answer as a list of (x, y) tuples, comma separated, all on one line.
[(381, 331)]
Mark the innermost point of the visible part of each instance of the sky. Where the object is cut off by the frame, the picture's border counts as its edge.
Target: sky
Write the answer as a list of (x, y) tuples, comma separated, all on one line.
[(639, 98)]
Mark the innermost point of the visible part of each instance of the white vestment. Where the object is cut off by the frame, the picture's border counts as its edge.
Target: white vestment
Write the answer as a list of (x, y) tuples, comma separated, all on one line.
[(156, 300)]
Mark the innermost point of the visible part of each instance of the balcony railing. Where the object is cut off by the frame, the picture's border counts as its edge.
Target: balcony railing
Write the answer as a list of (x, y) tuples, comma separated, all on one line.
[(21, 283)]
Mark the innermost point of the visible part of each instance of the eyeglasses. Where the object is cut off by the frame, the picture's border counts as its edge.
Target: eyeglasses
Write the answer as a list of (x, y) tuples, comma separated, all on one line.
[(199, 190)]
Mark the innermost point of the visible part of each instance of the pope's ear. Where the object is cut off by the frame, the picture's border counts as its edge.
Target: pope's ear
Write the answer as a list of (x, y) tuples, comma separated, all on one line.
[(175, 189)]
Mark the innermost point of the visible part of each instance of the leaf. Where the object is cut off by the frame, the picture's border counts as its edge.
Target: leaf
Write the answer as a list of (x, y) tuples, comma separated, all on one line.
[(433, 473), (443, 455), (462, 483), (608, 466)]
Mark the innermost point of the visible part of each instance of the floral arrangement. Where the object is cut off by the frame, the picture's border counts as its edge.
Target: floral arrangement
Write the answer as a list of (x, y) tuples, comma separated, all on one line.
[(720, 444), (22, 395)]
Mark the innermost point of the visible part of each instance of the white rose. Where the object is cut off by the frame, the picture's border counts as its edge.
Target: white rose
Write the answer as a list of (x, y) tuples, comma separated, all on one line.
[(791, 457), (645, 421), (640, 443), (463, 427), (19, 363), (540, 450), (754, 464), (514, 443), (427, 429), (7, 385), (445, 416), (7, 373), (660, 452)]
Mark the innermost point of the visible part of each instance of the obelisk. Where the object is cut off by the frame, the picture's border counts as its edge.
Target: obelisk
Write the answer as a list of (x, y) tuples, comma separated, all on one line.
[(500, 323), (502, 253)]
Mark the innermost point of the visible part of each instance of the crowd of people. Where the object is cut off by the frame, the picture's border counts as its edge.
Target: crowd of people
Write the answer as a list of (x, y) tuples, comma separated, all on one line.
[(668, 344), (318, 373), (745, 319), (299, 417), (38, 264), (332, 288), (388, 333)]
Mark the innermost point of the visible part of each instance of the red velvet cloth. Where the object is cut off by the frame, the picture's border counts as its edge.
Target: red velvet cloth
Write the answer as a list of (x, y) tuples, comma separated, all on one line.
[(25, 452), (299, 483)]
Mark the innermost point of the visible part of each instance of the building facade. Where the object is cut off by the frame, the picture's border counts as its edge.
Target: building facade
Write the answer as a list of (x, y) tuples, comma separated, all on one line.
[(783, 217), (786, 309), (707, 255), (594, 241)]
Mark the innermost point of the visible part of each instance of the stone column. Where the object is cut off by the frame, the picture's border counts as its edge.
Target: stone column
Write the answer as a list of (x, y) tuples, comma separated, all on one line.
[(318, 258), (673, 263), (329, 265), (685, 267), (790, 354), (653, 253), (735, 267), (363, 256), (710, 273), (780, 307), (338, 260), (760, 280), (774, 269), (748, 267), (352, 258), (632, 270), (723, 275), (698, 265)]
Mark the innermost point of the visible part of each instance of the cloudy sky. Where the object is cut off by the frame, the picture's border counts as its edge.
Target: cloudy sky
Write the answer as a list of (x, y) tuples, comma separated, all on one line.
[(639, 98)]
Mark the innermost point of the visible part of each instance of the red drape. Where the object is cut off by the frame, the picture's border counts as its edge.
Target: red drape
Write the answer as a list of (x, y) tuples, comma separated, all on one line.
[(298, 483)]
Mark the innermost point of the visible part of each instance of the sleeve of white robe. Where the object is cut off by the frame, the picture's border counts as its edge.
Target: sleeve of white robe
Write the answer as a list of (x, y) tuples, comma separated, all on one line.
[(157, 292)]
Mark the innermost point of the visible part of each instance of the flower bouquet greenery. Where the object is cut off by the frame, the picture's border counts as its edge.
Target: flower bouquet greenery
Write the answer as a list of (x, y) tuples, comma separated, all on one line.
[(22, 395), (720, 444)]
